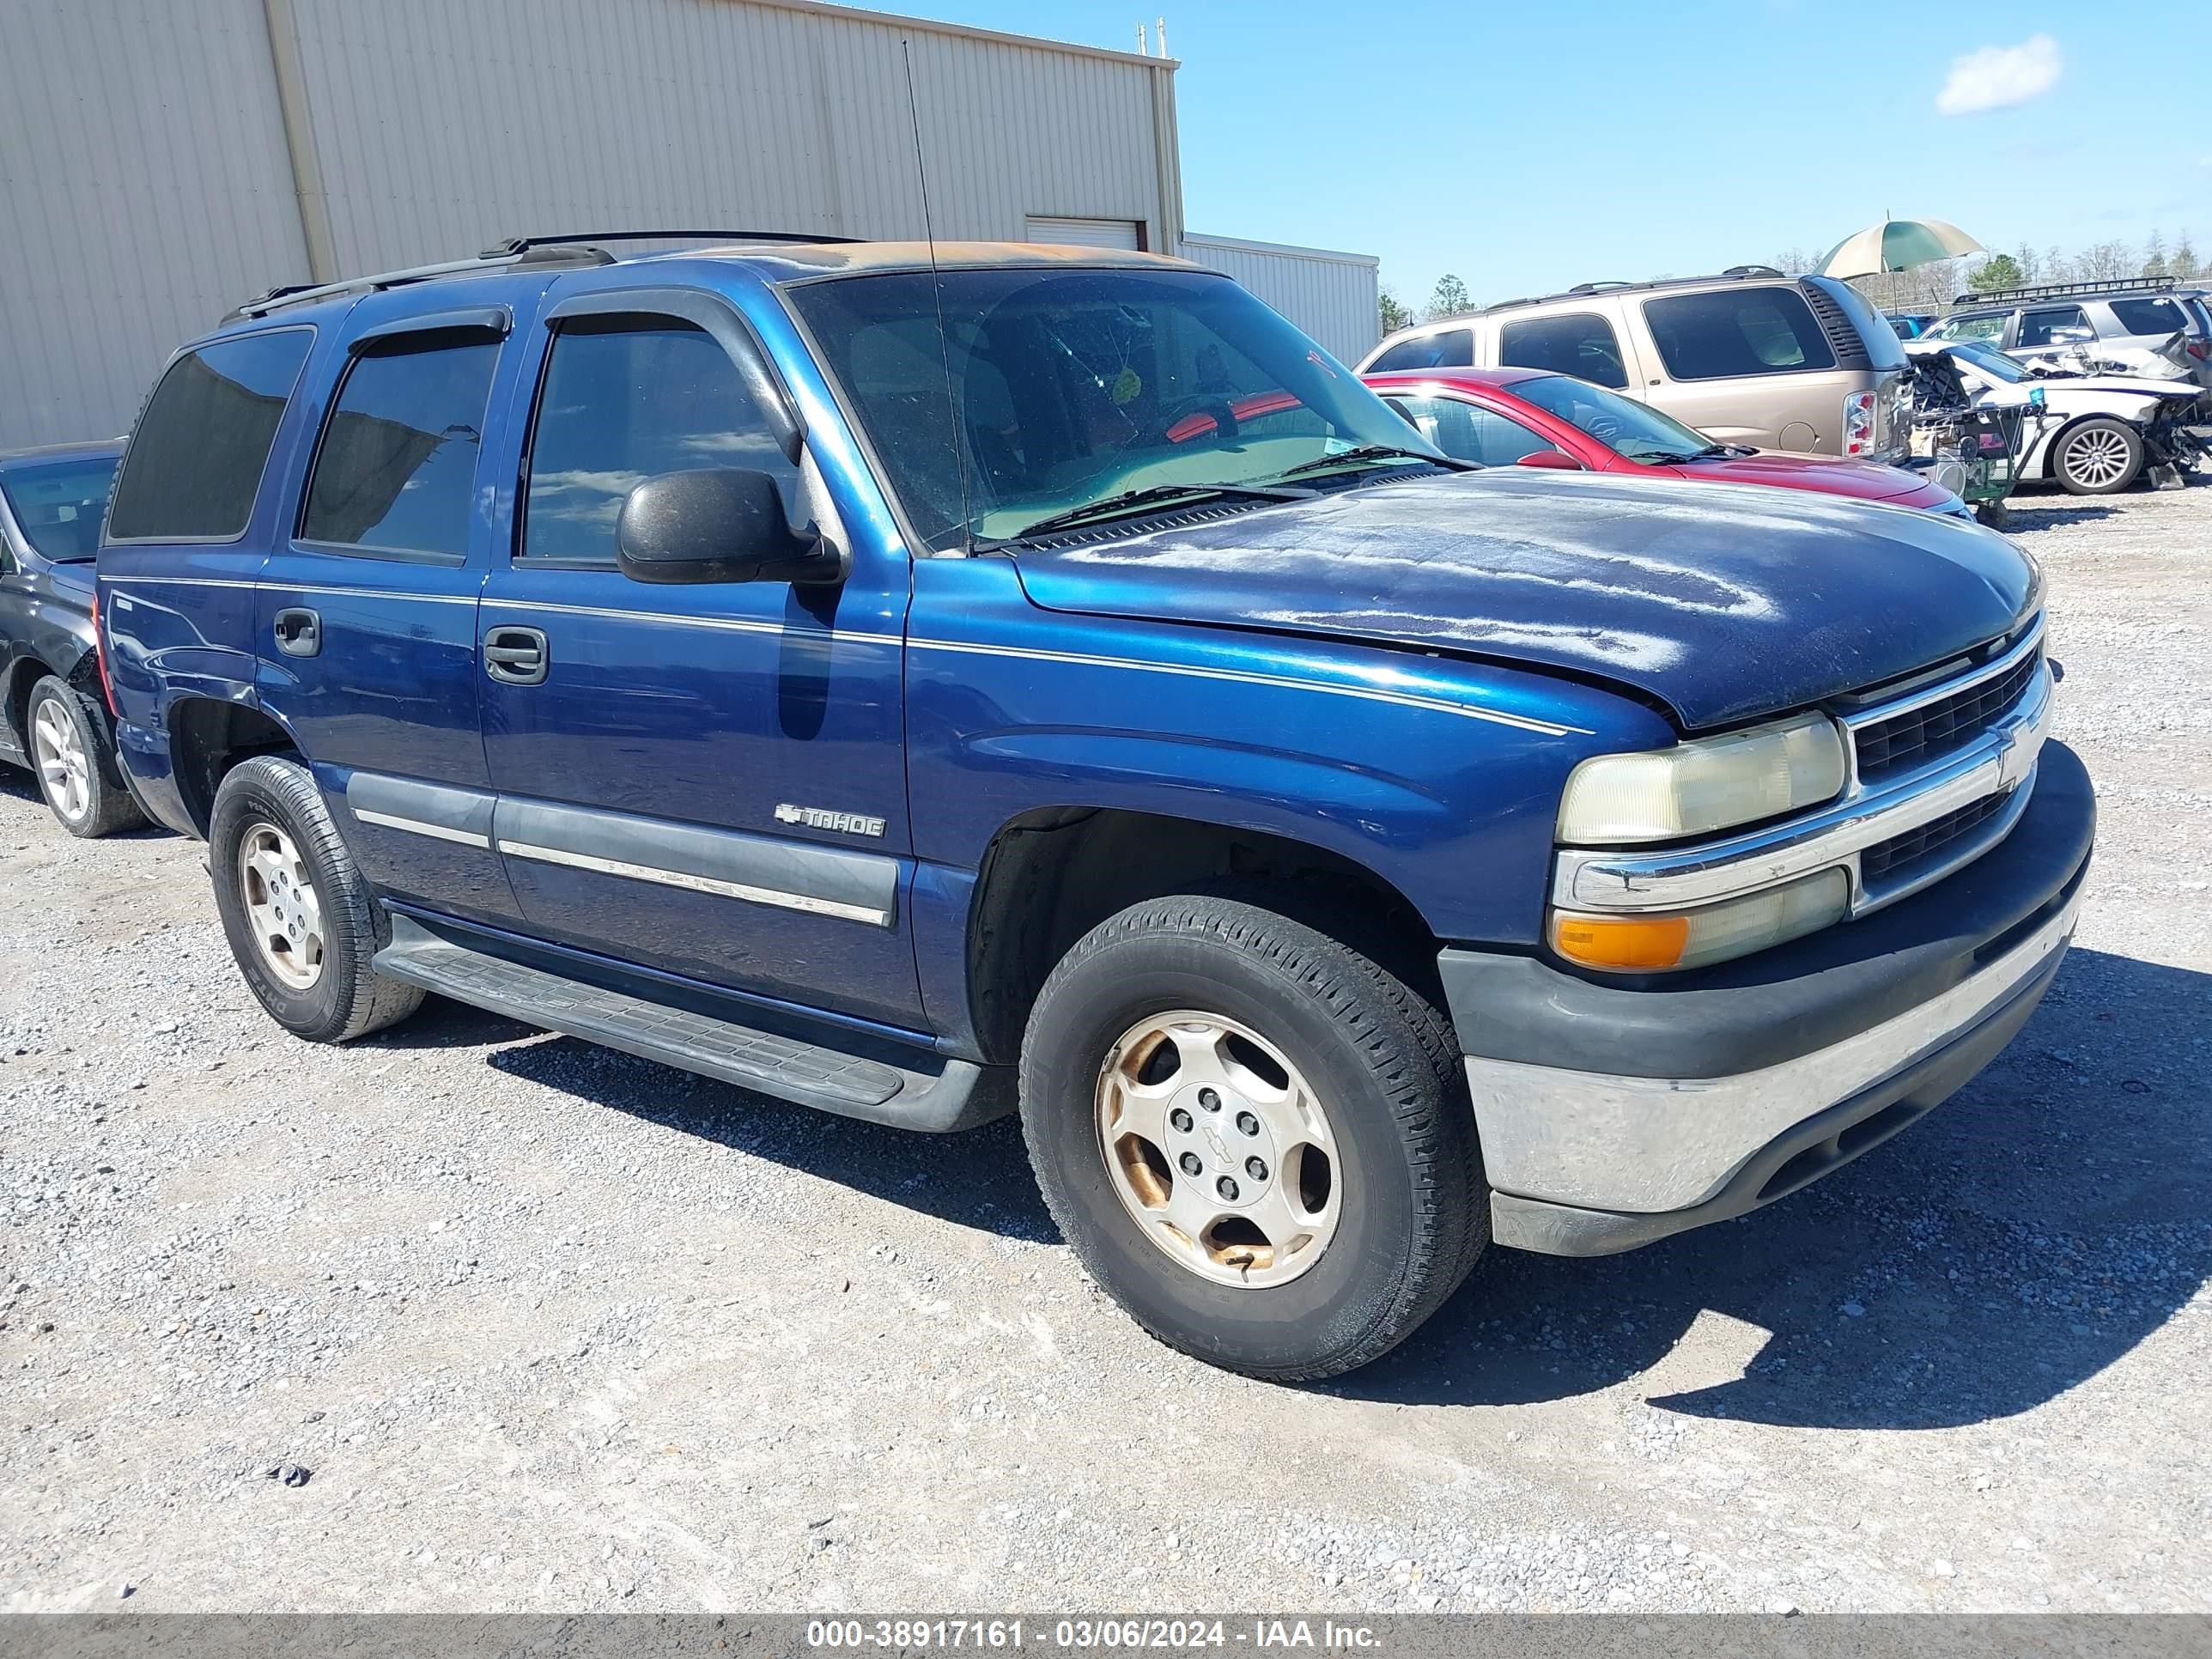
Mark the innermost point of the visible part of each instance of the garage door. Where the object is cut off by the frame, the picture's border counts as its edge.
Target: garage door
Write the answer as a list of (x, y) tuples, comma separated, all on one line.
[(1085, 232)]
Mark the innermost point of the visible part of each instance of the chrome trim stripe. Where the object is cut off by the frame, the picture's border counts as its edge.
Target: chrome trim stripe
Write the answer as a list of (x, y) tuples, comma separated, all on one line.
[(2003, 757), (417, 827), (732, 624), (1951, 687), (412, 596), (1643, 1143), (697, 883), (1406, 699)]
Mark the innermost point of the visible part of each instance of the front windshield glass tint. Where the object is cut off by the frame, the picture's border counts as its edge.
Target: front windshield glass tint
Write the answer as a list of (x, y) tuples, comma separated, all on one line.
[(1992, 362), (58, 504), (1073, 386), (1634, 430)]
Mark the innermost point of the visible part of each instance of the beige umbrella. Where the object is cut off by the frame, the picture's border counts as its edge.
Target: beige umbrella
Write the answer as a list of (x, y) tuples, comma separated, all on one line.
[(1897, 245)]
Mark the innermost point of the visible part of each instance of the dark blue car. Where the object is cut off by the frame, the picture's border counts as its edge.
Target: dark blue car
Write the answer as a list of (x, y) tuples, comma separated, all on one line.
[(901, 681)]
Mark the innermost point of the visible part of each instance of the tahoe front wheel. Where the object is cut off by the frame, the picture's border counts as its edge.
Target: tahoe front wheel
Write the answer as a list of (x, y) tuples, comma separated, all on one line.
[(301, 922), (1254, 1139)]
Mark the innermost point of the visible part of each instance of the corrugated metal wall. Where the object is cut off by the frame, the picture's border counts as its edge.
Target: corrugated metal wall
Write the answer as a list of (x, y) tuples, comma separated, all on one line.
[(143, 189), (1332, 296), (438, 128), (146, 168)]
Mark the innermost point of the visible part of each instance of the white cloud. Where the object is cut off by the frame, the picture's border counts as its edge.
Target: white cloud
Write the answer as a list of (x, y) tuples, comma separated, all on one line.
[(1996, 77)]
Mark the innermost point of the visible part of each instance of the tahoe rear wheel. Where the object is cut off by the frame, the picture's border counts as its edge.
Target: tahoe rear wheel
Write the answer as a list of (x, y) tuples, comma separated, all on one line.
[(75, 766), (300, 917), (2099, 456), (1254, 1139)]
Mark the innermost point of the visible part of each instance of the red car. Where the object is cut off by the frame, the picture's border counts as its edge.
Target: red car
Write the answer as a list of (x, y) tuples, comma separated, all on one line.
[(1531, 417)]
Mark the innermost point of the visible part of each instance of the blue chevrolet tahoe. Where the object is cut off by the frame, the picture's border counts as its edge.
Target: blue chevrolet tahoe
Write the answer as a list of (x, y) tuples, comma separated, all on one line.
[(899, 680)]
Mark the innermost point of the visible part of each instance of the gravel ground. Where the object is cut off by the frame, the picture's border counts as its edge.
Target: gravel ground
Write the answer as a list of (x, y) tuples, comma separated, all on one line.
[(518, 1323)]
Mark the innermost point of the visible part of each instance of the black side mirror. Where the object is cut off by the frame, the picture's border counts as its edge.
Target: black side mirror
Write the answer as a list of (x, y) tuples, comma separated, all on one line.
[(717, 524)]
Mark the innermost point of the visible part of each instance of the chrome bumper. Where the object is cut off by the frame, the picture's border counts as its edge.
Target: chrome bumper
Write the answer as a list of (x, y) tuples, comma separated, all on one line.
[(1597, 1141)]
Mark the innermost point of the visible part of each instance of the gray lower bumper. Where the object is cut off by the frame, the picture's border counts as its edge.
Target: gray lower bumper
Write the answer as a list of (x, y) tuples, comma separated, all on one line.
[(1625, 1161)]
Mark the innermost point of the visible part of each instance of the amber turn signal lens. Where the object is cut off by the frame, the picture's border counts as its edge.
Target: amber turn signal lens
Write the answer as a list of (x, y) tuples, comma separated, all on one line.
[(1621, 942)]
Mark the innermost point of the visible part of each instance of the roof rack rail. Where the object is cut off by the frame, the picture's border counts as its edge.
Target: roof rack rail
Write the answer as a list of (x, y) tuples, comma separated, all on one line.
[(2055, 290), (515, 246), (515, 250), (1586, 290)]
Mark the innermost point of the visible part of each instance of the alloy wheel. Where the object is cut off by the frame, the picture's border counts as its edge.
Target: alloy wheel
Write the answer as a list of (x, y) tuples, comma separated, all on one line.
[(1218, 1149), (281, 907), (65, 769), (2098, 459)]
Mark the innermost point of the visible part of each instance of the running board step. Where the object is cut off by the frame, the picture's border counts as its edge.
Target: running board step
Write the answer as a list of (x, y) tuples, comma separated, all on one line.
[(958, 1097)]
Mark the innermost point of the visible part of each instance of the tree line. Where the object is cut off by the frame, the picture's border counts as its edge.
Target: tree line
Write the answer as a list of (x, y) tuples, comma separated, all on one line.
[(1926, 288)]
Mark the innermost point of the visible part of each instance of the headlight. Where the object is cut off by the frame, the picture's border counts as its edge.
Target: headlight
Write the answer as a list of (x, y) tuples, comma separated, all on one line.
[(1713, 933), (1712, 783)]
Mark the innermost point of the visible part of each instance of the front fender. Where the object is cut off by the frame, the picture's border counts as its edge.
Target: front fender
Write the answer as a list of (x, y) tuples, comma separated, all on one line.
[(1441, 777)]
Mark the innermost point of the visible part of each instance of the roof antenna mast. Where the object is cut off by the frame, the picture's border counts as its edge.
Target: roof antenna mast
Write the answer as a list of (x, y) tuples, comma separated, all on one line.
[(937, 292)]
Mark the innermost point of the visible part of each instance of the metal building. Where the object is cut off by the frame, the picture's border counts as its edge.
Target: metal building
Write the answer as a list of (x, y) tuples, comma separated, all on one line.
[(1335, 297), (162, 160)]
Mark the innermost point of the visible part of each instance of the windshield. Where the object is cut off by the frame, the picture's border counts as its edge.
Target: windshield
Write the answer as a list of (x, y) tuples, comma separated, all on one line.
[(1636, 430), (58, 505), (1075, 387), (1988, 359)]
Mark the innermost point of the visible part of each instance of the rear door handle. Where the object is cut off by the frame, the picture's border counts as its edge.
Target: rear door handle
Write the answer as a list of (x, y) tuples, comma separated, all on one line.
[(299, 632), (516, 656)]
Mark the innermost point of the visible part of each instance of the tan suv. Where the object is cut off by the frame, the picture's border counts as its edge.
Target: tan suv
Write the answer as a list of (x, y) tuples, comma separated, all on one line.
[(1750, 357)]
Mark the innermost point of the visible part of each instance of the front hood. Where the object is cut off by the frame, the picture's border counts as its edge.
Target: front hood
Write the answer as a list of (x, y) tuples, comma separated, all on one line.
[(1831, 475), (74, 580), (1724, 604)]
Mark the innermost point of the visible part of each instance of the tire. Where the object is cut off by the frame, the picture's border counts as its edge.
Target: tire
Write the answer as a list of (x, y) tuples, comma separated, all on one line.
[(73, 760), (1395, 1213), (2100, 456), (269, 836)]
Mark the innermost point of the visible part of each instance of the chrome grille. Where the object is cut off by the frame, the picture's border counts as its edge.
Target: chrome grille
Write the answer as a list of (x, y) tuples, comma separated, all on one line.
[(1935, 729), (1886, 859)]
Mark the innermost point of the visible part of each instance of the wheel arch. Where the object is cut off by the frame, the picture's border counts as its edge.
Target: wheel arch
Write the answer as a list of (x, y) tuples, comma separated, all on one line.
[(208, 736), (2048, 462), (1050, 874)]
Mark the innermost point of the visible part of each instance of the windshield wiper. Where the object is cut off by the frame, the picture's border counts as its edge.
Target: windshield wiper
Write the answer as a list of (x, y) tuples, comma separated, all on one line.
[(1363, 454), (1129, 499)]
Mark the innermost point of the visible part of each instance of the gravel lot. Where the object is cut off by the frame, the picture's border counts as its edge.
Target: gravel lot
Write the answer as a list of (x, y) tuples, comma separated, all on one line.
[(550, 1328)]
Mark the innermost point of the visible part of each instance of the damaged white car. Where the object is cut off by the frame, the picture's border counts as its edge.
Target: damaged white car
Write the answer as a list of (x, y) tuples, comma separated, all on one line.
[(2093, 434)]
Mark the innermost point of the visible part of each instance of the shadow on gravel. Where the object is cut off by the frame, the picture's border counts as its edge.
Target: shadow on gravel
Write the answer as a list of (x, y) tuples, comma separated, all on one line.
[(2016, 1242), (16, 784), (979, 1179), (2031, 515)]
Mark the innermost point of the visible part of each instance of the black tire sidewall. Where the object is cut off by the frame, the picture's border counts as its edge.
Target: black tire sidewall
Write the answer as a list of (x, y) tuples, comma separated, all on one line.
[(2067, 438), (1333, 1308), (282, 794)]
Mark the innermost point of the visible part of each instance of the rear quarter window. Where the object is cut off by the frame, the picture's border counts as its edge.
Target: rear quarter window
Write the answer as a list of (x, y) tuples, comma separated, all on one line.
[(2149, 316), (195, 462), (1732, 332)]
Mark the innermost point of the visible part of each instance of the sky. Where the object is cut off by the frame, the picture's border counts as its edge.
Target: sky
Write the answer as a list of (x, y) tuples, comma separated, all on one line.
[(1531, 145)]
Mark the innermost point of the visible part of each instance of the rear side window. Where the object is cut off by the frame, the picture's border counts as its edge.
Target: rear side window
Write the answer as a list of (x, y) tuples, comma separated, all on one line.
[(397, 468), (1454, 348), (2036, 327), (1581, 344), (196, 461), (1982, 325), (1737, 331), (2149, 316), (625, 399)]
